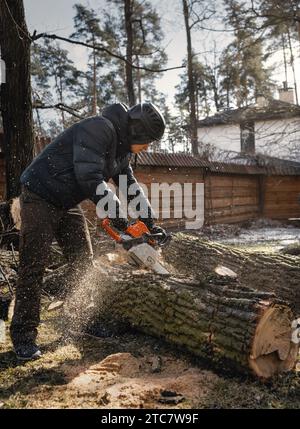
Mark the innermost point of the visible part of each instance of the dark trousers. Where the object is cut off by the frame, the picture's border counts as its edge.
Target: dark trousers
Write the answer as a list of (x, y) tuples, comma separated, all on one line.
[(41, 222)]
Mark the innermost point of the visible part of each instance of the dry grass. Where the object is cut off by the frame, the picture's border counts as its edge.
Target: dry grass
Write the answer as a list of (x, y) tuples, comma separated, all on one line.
[(46, 383)]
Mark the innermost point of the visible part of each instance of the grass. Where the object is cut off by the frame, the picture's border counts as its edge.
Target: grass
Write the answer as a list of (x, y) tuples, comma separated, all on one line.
[(44, 383)]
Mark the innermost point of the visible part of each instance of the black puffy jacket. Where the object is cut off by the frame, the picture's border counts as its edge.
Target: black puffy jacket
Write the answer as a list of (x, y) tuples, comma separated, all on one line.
[(85, 155)]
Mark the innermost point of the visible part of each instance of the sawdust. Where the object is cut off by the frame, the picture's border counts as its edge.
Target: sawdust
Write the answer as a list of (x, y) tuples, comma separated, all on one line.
[(124, 381), (91, 294)]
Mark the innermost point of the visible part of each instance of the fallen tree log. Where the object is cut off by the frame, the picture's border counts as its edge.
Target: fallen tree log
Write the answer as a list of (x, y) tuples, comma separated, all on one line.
[(266, 272), (291, 249), (213, 316), (218, 320)]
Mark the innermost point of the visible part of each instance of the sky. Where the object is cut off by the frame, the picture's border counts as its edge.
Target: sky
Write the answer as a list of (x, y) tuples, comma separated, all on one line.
[(57, 16)]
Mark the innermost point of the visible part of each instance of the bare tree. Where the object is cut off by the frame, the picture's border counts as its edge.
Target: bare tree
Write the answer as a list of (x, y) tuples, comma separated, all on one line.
[(194, 12), (128, 10)]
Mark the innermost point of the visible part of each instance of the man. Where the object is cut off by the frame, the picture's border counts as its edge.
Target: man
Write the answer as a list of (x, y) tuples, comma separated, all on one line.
[(68, 171)]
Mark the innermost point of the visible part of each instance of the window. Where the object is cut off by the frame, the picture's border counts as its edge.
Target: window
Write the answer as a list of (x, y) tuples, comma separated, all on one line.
[(247, 137)]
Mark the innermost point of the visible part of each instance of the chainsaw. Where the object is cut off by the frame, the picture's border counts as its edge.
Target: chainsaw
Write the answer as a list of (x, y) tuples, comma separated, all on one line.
[(140, 244)]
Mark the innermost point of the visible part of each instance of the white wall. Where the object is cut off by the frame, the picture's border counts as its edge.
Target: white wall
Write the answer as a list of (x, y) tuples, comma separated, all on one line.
[(224, 137), (279, 138)]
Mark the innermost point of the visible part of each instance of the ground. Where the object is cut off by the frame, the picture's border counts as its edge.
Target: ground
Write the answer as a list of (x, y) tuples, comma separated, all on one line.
[(131, 370)]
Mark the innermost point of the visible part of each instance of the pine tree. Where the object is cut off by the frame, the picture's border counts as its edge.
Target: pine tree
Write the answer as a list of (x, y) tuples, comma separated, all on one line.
[(207, 90), (100, 80), (138, 26), (242, 62), (194, 13), (56, 79), (177, 136), (278, 14), (282, 20)]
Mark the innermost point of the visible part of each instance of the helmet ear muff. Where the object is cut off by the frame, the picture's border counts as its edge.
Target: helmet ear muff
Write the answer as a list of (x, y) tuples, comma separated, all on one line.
[(138, 134), (136, 128)]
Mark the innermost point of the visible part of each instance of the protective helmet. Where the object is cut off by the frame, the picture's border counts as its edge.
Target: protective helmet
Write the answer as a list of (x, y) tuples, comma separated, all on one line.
[(146, 123)]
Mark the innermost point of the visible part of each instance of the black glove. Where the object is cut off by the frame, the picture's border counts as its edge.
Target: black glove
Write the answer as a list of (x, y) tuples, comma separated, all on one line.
[(120, 223), (165, 237)]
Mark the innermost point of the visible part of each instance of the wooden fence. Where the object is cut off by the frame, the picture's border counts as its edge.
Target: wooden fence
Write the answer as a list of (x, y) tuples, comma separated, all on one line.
[(231, 194)]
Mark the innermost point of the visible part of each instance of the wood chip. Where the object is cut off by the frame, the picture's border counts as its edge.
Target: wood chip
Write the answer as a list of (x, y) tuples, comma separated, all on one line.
[(225, 272), (156, 364), (55, 305)]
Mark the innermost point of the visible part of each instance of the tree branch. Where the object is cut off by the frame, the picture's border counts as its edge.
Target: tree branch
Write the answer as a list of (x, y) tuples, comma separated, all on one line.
[(59, 106), (101, 49), (280, 18), (203, 17)]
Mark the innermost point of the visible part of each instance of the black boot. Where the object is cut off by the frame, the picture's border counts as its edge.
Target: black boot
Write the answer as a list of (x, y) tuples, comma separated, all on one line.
[(28, 352)]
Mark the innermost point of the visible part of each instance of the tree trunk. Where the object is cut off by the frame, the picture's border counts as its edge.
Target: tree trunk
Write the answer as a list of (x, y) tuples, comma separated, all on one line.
[(95, 92), (191, 81), (139, 80), (61, 99), (16, 105), (217, 320), (292, 62), (128, 7), (266, 272), (284, 60)]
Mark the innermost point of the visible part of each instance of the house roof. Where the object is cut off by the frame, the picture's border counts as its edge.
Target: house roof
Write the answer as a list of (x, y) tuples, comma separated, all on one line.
[(159, 159), (242, 164), (275, 109), (258, 164)]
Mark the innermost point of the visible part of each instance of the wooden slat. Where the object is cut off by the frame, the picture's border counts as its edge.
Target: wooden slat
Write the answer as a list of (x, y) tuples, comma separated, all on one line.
[(234, 211), (236, 202), (230, 193), (233, 219), (234, 181)]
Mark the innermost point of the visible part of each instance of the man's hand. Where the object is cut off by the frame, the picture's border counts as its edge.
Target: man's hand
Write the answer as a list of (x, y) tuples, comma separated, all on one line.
[(120, 224), (165, 237)]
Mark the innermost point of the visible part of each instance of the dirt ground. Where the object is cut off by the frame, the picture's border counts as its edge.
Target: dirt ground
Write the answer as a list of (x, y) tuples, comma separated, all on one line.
[(129, 370)]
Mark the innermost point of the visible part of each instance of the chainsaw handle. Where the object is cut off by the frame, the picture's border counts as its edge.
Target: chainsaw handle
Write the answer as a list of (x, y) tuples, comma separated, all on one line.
[(166, 238), (110, 231)]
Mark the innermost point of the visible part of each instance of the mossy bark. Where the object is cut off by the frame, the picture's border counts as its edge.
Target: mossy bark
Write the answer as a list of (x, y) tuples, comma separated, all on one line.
[(216, 320), (265, 272)]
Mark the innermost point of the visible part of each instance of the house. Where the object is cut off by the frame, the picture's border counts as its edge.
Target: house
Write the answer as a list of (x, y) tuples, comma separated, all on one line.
[(270, 127)]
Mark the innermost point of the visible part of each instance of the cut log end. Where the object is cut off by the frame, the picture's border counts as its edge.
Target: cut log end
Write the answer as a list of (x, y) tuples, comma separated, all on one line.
[(273, 350)]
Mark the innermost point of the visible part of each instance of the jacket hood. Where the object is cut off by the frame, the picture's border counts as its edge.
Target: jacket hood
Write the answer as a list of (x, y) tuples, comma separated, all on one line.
[(117, 114)]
